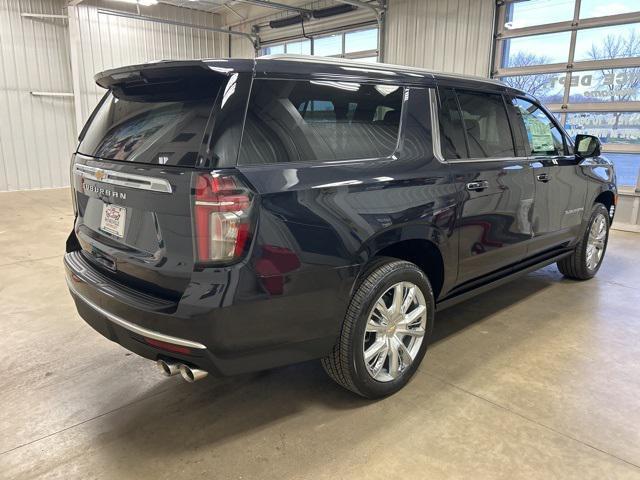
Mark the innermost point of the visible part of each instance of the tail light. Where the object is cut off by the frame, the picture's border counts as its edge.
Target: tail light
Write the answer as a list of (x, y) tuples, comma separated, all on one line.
[(221, 217)]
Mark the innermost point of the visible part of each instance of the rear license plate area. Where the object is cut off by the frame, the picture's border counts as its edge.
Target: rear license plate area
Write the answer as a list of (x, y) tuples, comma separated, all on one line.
[(113, 219)]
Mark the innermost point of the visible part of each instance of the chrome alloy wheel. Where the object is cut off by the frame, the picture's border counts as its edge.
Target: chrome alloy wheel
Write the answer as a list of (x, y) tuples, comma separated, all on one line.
[(596, 241), (395, 331)]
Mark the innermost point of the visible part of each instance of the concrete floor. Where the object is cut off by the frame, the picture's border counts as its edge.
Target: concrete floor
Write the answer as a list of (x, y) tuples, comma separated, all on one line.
[(538, 380)]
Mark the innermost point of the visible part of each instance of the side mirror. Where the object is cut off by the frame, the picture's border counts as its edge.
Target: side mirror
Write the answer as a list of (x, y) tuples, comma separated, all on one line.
[(588, 146)]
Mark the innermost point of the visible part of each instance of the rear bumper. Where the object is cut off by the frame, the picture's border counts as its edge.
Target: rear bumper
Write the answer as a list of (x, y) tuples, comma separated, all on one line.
[(228, 340)]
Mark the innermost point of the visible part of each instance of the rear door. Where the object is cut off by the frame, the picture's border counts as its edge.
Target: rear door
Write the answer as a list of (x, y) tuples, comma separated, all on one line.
[(560, 186), (133, 172), (495, 181)]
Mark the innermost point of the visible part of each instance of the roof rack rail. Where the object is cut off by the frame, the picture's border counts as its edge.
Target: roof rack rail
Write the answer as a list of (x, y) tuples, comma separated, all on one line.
[(380, 66)]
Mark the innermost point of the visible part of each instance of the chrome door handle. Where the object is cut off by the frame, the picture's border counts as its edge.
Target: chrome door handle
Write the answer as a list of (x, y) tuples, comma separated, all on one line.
[(477, 186), (543, 177)]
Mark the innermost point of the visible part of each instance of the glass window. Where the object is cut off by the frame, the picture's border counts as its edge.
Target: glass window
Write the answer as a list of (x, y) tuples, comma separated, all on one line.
[(604, 43), (609, 85), (627, 167), (598, 8), (299, 48), (158, 123), (327, 46), (273, 49), (538, 12), (536, 50), (451, 128), (486, 125), (361, 40), (303, 121), (543, 135), (546, 87), (622, 128)]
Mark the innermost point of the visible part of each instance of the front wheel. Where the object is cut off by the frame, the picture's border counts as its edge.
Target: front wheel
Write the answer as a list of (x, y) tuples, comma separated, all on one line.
[(385, 331), (587, 257)]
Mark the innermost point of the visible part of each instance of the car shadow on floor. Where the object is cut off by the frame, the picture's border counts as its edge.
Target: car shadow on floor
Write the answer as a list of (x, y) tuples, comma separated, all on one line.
[(217, 410)]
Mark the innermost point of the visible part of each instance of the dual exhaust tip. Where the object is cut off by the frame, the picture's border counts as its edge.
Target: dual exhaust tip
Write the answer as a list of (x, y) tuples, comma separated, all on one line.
[(170, 368)]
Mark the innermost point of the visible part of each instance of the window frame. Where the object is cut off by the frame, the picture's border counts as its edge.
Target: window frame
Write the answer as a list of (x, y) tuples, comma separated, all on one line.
[(567, 145), (306, 163), (455, 90), (342, 32), (570, 66)]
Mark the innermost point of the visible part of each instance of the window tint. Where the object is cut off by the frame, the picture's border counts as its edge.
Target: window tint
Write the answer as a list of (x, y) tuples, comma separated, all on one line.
[(159, 123), (302, 121), (451, 128), (543, 135), (486, 125), (416, 130)]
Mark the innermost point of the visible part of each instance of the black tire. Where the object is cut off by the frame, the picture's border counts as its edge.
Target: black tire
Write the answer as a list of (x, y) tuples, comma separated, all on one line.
[(346, 364), (575, 265)]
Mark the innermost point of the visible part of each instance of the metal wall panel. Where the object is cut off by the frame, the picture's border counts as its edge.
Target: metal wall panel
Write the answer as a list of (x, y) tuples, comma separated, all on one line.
[(36, 132), (444, 35), (106, 41)]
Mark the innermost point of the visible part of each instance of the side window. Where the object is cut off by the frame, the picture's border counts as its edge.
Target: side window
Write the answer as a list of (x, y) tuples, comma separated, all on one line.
[(486, 125), (451, 128), (416, 128), (543, 135), (306, 121)]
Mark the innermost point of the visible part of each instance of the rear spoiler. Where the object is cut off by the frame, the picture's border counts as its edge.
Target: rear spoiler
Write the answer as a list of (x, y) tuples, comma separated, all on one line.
[(151, 73)]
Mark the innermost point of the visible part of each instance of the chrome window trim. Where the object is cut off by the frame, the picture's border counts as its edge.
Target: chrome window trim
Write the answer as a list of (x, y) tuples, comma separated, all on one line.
[(132, 327), (437, 147), (141, 182), (435, 126)]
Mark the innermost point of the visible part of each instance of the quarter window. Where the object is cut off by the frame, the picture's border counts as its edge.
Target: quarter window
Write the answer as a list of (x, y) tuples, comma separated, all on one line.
[(486, 125), (305, 121), (543, 135), (451, 128)]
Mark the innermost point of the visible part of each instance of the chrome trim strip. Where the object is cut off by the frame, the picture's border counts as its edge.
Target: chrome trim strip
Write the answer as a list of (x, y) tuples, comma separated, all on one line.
[(496, 159), (435, 126), (437, 147), (133, 327), (130, 180)]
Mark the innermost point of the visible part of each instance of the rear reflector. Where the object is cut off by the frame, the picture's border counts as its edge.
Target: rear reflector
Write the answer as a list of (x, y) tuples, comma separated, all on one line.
[(169, 347), (221, 218)]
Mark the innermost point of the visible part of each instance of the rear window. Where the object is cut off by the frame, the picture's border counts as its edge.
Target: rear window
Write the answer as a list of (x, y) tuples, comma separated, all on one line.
[(159, 123), (305, 121)]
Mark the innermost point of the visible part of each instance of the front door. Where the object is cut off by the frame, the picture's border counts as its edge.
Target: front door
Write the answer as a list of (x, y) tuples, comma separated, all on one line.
[(560, 187)]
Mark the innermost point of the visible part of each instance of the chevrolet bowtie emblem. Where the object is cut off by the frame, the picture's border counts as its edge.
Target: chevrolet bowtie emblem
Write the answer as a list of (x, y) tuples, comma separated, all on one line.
[(100, 175)]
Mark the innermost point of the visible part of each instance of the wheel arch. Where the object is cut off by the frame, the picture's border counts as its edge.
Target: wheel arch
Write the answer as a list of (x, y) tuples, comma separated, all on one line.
[(425, 246), (608, 199)]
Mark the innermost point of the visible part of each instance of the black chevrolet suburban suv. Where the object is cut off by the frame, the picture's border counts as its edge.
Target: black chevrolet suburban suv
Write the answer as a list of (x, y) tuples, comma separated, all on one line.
[(236, 215)]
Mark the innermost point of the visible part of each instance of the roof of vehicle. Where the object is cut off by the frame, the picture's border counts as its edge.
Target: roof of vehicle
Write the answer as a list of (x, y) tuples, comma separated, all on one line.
[(271, 65)]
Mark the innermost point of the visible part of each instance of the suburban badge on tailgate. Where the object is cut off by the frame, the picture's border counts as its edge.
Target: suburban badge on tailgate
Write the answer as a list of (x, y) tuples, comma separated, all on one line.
[(88, 187)]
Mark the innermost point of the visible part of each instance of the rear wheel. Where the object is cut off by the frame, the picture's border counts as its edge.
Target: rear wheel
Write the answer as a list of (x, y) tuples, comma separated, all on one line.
[(385, 332), (587, 257)]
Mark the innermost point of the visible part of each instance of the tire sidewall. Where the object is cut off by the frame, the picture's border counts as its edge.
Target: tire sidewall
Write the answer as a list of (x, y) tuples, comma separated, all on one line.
[(597, 209), (364, 382)]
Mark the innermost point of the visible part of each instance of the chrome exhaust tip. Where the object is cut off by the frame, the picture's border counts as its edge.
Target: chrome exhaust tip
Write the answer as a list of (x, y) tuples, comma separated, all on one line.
[(168, 368), (192, 374)]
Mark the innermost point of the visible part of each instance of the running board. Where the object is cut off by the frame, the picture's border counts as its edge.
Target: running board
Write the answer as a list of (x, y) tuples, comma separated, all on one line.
[(466, 295)]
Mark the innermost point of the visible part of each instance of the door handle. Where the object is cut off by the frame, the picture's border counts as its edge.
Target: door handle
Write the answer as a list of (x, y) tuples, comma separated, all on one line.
[(477, 186), (543, 177)]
